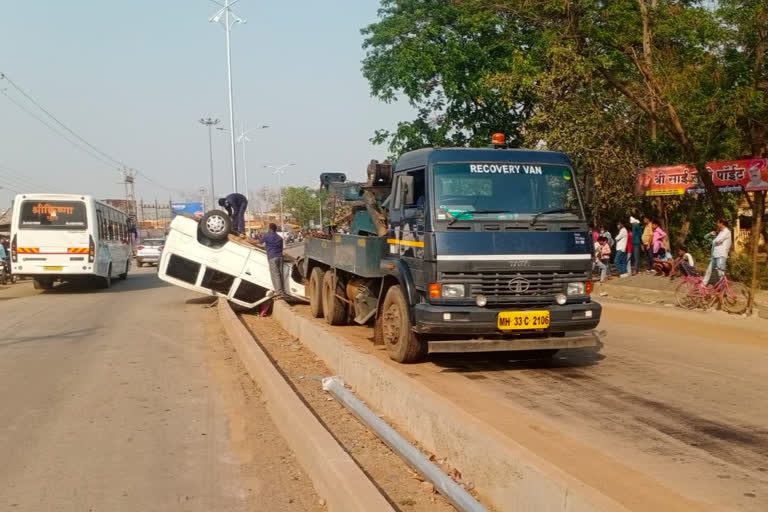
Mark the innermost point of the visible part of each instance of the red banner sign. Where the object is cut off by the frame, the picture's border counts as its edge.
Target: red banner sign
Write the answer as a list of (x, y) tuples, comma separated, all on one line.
[(728, 176)]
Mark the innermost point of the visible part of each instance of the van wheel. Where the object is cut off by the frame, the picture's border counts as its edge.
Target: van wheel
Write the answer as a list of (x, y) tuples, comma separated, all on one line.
[(334, 309), (316, 292), (215, 225), (403, 345), (42, 283), (124, 275)]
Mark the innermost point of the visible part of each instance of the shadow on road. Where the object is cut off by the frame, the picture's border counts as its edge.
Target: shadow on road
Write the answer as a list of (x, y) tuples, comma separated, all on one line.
[(66, 336), (135, 282), (525, 360)]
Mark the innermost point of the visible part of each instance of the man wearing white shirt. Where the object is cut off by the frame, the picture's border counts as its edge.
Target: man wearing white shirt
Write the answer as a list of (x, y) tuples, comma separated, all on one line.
[(721, 247), (621, 250)]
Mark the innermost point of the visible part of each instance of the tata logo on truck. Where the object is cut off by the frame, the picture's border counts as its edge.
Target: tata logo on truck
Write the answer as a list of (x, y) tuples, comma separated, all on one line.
[(519, 285)]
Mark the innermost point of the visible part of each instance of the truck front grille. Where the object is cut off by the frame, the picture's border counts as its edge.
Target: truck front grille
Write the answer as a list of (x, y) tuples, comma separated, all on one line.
[(524, 287)]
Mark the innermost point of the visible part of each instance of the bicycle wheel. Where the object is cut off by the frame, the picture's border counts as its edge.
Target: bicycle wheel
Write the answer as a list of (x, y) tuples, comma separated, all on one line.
[(684, 297), (735, 298)]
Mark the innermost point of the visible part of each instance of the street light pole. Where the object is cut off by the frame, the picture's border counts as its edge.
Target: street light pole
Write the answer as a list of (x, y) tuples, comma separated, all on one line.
[(279, 170), (207, 121), (217, 18), (243, 138)]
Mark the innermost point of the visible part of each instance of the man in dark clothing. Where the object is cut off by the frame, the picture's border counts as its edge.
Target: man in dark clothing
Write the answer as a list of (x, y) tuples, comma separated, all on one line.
[(235, 204), (274, 245)]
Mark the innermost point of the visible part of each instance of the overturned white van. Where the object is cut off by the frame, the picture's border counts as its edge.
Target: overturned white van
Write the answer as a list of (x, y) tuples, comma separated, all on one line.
[(224, 265)]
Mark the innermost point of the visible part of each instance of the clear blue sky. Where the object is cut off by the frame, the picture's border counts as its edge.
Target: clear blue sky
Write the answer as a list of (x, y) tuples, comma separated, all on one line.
[(133, 78)]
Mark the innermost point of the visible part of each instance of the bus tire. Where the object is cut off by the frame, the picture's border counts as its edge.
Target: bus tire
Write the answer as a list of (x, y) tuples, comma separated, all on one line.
[(124, 275), (42, 283), (215, 225), (316, 292), (334, 309), (106, 282), (403, 345)]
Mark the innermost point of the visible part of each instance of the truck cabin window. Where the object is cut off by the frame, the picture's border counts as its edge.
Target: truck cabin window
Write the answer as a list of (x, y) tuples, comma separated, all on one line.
[(412, 193), (505, 191)]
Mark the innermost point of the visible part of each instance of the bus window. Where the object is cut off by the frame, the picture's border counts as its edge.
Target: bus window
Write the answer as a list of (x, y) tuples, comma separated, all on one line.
[(69, 215)]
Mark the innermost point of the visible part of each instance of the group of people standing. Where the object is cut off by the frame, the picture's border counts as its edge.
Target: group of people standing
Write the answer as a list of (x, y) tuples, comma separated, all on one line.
[(646, 244)]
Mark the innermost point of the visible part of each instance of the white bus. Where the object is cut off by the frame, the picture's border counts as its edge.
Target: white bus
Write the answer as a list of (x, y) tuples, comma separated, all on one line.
[(69, 237)]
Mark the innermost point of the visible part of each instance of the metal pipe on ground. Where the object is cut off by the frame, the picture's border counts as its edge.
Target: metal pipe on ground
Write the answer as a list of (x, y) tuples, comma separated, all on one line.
[(454, 493)]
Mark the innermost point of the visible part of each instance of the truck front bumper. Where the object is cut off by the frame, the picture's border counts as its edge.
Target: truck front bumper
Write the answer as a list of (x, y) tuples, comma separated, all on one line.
[(475, 329)]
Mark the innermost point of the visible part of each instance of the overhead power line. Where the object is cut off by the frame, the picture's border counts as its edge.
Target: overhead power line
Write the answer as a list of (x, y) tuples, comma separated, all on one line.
[(57, 132), (79, 142), (117, 162)]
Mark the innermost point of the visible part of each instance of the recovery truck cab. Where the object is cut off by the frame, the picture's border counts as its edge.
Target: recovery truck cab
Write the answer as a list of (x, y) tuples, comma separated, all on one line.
[(480, 250)]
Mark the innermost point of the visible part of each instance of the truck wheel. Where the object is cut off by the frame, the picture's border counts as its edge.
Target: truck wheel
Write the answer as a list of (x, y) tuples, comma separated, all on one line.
[(403, 345), (215, 225), (316, 292), (42, 283), (334, 309)]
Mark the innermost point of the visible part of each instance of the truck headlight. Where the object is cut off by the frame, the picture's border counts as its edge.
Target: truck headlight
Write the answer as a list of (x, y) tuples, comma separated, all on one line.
[(576, 289), (452, 291)]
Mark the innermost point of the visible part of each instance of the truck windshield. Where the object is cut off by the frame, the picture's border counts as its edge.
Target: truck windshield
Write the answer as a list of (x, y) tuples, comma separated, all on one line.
[(505, 191)]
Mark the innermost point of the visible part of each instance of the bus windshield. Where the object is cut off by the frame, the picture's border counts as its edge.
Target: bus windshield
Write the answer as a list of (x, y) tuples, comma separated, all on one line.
[(67, 215), (505, 191)]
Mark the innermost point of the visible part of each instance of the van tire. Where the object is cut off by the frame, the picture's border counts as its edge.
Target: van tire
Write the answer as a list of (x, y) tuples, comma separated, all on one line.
[(334, 309), (42, 283), (215, 225), (403, 345), (316, 292)]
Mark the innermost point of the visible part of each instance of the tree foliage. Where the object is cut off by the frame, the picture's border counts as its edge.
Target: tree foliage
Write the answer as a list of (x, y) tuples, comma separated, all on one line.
[(303, 204), (616, 84), (438, 54)]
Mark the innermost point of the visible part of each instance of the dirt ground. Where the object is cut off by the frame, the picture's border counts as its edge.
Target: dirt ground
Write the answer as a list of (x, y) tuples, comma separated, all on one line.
[(400, 484), (282, 484), (669, 413)]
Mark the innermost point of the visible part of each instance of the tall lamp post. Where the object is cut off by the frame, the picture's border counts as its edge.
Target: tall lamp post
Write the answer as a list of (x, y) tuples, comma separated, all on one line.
[(207, 121), (227, 19), (279, 170), (242, 139)]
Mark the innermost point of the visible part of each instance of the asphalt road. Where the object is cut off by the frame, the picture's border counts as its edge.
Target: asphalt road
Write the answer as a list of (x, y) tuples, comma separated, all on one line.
[(670, 414), (128, 399)]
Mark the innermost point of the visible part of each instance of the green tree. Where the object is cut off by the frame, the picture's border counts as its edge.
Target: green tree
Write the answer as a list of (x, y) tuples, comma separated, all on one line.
[(302, 204), (437, 54)]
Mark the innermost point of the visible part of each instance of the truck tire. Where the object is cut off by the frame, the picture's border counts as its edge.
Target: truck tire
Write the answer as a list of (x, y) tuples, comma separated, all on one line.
[(42, 283), (215, 225), (316, 292), (403, 345), (334, 309)]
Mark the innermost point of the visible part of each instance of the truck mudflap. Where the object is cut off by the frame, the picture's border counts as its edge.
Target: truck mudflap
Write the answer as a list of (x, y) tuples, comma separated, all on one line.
[(568, 340)]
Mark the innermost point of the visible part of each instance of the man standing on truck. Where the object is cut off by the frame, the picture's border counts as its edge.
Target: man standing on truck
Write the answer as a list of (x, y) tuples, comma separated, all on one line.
[(236, 204), (274, 245)]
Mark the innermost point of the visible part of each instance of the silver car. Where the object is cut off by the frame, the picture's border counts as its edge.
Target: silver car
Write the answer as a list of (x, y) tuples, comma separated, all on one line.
[(149, 251)]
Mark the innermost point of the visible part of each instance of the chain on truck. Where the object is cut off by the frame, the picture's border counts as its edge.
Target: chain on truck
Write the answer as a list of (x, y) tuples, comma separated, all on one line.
[(459, 250)]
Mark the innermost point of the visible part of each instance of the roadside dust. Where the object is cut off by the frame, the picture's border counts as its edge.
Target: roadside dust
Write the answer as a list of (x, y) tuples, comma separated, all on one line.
[(277, 482), (405, 489)]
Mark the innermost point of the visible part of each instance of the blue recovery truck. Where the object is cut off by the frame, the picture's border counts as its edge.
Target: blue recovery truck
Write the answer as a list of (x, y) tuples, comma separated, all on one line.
[(460, 250)]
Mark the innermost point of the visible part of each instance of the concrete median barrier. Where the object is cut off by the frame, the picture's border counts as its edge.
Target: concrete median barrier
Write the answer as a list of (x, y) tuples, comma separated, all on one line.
[(507, 474), (334, 474)]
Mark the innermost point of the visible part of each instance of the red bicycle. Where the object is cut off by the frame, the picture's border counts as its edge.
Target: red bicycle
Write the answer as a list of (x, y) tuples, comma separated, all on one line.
[(692, 293)]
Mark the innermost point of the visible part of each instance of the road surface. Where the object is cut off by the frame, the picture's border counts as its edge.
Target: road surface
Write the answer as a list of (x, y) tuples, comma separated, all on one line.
[(130, 399), (671, 413)]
